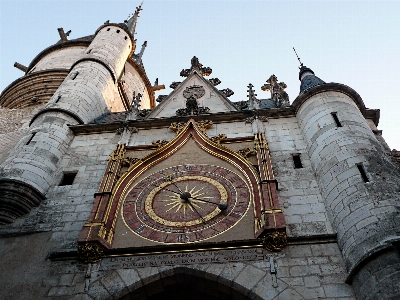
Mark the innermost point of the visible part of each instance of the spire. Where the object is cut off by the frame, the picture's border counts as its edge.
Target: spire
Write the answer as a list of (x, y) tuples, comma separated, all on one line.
[(253, 101), (131, 23), (307, 76), (139, 56)]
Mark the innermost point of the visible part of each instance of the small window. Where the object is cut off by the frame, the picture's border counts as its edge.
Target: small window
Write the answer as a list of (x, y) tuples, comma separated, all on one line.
[(126, 37), (108, 29), (118, 31), (297, 161), (335, 117), (74, 75), (30, 139), (68, 178), (362, 172)]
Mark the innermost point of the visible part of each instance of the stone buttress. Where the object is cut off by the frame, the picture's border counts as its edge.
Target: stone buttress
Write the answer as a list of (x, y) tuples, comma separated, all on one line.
[(87, 92)]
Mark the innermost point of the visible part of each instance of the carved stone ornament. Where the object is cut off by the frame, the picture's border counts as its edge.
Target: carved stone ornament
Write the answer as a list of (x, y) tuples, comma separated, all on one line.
[(196, 66), (90, 253), (214, 81), (274, 241), (144, 113), (196, 91), (177, 127), (255, 117), (246, 152), (128, 128), (175, 84), (160, 143), (277, 91), (161, 98), (227, 92), (217, 139), (192, 108), (240, 105)]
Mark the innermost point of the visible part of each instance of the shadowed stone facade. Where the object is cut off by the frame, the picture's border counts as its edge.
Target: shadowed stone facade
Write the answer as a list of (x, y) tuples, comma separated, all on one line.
[(320, 218)]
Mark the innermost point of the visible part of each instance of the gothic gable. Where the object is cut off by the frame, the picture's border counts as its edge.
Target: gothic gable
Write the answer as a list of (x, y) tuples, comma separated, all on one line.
[(196, 95)]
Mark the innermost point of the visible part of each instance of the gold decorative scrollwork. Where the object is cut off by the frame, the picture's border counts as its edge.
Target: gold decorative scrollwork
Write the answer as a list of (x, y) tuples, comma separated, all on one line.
[(118, 153), (160, 143), (204, 125), (274, 241), (217, 139), (246, 152), (90, 253), (129, 161), (177, 127)]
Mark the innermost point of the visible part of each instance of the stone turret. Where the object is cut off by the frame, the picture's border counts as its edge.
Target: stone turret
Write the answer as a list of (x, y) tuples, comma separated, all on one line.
[(358, 181), (89, 90)]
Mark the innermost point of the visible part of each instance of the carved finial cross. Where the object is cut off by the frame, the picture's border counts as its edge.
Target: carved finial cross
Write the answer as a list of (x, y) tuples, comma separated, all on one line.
[(196, 66), (277, 91)]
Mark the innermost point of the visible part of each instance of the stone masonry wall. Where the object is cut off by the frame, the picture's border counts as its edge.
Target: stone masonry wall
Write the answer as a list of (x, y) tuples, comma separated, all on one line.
[(13, 125), (302, 271)]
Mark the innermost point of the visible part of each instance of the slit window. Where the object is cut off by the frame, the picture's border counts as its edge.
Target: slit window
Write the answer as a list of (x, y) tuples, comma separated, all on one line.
[(90, 50), (362, 172), (68, 178), (31, 138), (337, 121), (74, 75), (58, 99), (297, 161)]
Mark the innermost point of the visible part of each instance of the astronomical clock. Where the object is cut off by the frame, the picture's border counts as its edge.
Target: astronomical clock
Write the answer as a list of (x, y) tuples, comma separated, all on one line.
[(193, 192)]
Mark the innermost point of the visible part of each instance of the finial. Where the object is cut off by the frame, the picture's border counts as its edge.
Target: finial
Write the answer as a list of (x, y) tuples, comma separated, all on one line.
[(139, 56), (298, 58), (253, 101), (131, 23), (196, 66)]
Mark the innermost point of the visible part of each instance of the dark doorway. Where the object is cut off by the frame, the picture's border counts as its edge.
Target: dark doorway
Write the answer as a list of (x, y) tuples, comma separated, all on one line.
[(183, 286)]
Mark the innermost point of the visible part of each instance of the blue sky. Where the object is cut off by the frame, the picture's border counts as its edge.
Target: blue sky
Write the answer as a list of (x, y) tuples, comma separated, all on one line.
[(351, 42)]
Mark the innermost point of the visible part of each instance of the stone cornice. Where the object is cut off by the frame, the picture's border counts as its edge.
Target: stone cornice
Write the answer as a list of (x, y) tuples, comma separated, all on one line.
[(166, 122)]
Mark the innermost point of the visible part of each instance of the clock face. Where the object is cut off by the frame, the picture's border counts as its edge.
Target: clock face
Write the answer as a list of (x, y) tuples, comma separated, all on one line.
[(186, 204)]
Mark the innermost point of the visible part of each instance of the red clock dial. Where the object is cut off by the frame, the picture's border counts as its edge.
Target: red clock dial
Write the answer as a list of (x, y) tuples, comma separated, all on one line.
[(186, 203)]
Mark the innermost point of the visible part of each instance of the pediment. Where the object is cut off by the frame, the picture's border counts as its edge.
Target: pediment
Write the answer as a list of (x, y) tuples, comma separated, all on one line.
[(209, 99)]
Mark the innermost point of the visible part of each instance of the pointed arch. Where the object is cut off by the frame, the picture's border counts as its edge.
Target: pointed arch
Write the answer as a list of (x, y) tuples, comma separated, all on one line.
[(195, 131)]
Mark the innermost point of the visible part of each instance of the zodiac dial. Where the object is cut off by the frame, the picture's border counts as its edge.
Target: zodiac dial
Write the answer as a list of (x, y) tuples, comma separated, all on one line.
[(186, 203)]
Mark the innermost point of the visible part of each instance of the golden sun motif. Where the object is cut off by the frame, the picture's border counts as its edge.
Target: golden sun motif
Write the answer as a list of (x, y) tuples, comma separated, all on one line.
[(177, 202)]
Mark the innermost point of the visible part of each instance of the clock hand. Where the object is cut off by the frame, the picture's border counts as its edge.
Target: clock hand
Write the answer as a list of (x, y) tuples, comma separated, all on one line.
[(221, 205), (204, 221), (165, 189), (180, 191)]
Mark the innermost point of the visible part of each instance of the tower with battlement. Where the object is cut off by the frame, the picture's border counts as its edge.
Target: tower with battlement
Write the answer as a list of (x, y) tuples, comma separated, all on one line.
[(105, 194)]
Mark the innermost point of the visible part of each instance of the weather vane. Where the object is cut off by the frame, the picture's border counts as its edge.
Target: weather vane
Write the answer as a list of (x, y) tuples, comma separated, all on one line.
[(298, 58)]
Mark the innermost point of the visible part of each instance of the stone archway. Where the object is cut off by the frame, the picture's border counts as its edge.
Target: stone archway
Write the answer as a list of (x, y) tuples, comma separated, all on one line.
[(241, 282), (185, 283)]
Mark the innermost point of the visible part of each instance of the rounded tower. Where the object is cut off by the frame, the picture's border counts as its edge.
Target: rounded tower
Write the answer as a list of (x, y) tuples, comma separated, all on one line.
[(358, 180), (91, 88)]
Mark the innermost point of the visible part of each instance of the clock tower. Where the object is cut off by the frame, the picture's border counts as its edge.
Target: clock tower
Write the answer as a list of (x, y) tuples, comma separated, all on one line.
[(105, 194)]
